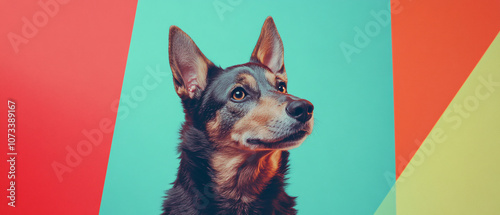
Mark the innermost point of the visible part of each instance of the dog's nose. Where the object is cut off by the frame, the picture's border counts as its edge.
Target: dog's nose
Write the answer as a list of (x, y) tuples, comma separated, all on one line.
[(301, 110)]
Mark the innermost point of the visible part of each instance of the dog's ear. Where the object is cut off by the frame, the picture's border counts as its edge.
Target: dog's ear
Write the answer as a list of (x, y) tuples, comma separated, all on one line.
[(269, 48), (189, 65)]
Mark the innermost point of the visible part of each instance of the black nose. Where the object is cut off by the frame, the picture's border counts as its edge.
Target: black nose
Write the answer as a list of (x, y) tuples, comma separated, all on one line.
[(301, 110)]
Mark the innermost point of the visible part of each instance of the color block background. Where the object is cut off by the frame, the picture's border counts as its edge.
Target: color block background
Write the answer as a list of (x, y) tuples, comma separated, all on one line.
[(436, 45), (435, 49), (456, 169), (341, 166), (78, 68)]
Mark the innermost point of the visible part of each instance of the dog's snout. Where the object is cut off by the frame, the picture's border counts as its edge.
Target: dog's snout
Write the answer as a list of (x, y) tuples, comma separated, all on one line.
[(301, 110)]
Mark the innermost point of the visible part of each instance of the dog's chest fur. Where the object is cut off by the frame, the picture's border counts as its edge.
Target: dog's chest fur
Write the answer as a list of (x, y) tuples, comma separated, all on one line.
[(242, 176), (225, 182)]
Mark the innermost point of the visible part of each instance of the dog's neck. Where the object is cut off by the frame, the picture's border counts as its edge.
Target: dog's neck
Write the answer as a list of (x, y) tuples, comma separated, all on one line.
[(242, 175), (232, 177)]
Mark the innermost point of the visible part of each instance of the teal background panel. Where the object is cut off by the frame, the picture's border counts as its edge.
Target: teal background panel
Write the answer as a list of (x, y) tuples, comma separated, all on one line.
[(341, 168)]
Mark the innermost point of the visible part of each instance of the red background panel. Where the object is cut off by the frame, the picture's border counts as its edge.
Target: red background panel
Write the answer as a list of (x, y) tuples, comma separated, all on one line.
[(64, 79), (436, 44)]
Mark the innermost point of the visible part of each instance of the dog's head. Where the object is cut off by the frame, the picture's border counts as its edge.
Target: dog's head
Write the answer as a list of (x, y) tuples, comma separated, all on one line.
[(245, 106)]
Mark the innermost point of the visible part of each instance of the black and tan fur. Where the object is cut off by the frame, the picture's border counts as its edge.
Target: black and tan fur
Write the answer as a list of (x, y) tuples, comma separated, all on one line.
[(240, 124)]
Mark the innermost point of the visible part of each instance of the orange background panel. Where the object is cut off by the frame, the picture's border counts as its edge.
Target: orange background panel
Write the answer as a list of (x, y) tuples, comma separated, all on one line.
[(436, 44)]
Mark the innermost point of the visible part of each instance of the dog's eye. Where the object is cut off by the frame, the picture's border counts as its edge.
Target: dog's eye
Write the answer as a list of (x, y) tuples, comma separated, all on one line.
[(238, 94), (282, 87)]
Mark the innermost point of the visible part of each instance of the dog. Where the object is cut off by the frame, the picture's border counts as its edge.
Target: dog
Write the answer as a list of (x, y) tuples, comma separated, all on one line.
[(239, 124)]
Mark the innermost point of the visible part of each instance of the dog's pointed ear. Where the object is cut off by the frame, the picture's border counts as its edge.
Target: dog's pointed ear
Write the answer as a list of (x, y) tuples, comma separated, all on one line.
[(189, 65), (269, 48)]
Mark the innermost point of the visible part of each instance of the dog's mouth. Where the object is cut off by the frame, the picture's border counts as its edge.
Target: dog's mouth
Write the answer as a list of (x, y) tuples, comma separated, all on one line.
[(286, 142)]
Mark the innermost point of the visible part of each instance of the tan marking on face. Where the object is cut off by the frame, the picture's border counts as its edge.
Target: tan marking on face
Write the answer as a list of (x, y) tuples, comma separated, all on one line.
[(271, 77), (282, 76), (213, 127), (255, 171), (247, 80), (255, 122)]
